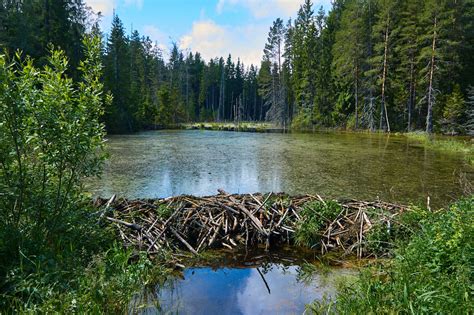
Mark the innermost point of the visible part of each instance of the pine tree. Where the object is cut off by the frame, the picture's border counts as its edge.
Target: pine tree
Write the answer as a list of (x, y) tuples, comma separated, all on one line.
[(274, 97), (454, 111), (382, 56), (469, 127), (407, 50), (323, 82), (303, 48)]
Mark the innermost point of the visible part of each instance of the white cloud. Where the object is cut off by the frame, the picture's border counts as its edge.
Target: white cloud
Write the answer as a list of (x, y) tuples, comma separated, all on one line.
[(157, 36), (154, 33), (213, 40), (267, 8), (106, 7)]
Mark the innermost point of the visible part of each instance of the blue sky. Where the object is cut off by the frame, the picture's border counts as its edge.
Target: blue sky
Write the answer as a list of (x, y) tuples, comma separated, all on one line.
[(212, 27)]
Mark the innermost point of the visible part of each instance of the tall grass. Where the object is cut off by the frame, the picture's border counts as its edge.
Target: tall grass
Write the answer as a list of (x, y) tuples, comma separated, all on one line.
[(465, 147), (431, 273)]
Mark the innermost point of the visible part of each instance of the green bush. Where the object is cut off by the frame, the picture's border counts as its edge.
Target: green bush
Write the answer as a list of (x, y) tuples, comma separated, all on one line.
[(105, 286), (302, 121), (430, 274), (383, 238), (314, 217), (51, 137)]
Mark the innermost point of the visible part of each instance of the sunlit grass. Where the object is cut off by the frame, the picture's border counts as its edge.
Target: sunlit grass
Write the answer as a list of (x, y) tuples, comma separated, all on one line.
[(454, 145), (431, 271), (238, 126)]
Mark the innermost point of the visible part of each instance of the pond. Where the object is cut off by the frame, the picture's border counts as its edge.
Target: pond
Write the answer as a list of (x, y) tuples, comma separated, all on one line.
[(280, 285), (335, 165)]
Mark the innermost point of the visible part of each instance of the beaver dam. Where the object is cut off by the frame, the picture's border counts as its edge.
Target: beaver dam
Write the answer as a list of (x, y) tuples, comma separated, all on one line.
[(238, 221)]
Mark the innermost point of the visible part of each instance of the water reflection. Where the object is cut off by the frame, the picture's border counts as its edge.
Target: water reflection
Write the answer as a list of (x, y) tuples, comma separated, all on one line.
[(269, 289), (362, 166)]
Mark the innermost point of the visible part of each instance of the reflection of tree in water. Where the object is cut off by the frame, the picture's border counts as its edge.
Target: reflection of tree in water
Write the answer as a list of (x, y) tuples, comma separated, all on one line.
[(306, 273), (268, 268)]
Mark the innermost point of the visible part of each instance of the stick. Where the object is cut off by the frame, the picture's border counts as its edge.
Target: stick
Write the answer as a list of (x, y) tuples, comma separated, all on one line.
[(184, 242)]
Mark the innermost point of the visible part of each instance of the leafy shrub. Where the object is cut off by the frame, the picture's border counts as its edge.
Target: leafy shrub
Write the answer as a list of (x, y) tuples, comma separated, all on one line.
[(51, 138), (430, 274), (315, 216), (382, 238), (105, 286), (302, 121)]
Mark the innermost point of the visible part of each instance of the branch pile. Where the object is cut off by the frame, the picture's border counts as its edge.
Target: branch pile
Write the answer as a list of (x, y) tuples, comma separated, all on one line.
[(235, 221)]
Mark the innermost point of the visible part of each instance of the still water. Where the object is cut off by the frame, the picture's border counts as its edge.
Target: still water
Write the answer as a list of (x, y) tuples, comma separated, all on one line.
[(269, 289), (335, 165)]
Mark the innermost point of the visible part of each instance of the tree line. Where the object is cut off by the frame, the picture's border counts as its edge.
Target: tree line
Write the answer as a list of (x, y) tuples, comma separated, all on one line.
[(374, 64), (152, 92), (385, 65)]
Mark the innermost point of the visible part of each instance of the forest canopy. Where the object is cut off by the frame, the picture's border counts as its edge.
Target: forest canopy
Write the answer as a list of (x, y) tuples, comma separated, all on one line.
[(366, 64)]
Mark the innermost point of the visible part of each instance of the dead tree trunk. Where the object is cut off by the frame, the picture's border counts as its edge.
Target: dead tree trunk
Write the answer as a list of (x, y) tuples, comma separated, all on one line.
[(429, 115), (384, 114)]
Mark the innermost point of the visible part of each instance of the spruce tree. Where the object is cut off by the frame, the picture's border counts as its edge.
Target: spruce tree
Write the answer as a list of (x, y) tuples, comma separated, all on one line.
[(438, 51), (118, 117), (349, 51)]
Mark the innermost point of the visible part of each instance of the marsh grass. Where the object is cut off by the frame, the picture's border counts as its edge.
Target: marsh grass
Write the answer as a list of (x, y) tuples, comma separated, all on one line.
[(445, 144), (240, 126)]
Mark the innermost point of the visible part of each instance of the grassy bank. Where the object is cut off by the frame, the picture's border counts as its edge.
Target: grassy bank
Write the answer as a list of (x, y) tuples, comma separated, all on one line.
[(444, 143), (231, 126), (431, 272)]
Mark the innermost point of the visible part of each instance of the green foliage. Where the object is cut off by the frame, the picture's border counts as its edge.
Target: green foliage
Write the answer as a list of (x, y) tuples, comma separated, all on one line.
[(164, 110), (51, 138), (30, 26), (164, 211), (315, 216), (53, 255), (454, 112), (106, 284), (302, 121), (383, 238), (431, 273), (469, 126)]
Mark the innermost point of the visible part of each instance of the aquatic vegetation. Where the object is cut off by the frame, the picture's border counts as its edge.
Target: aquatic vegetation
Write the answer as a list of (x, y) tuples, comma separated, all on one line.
[(444, 144)]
